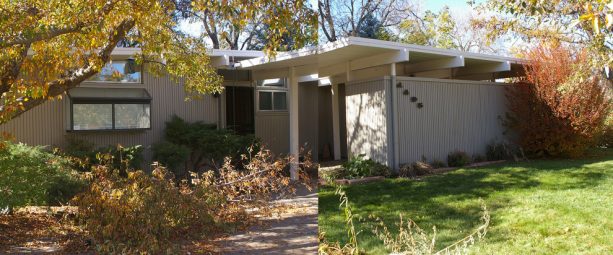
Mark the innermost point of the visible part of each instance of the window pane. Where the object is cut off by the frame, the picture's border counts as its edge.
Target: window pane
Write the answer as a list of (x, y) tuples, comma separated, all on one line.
[(265, 101), (132, 116), (280, 101), (272, 83), (119, 71), (92, 116)]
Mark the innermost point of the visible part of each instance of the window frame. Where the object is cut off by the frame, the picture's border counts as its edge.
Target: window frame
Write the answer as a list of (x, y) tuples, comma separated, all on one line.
[(142, 76), (112, 102), (273, 92)]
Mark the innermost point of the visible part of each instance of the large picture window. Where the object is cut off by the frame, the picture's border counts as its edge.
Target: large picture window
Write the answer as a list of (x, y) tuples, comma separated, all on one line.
[(272, 100), (119, 71), (109, 109)]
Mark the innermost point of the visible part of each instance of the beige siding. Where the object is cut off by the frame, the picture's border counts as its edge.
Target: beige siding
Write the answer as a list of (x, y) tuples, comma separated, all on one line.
[(309, 118), (366, 119), (457, 115), (273, 129), (45, 125)]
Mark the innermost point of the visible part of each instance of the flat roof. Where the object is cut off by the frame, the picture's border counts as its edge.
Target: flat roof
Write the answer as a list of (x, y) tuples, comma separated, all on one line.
[(362, 53)]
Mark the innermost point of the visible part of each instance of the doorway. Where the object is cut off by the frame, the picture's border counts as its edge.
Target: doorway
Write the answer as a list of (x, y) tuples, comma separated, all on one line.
[(240, 115)]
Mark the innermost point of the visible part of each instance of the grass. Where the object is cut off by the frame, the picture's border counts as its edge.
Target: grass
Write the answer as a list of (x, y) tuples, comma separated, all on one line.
[(537, 207)]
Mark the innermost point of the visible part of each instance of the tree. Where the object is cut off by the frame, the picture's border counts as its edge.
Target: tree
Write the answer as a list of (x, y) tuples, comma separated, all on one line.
[(443, 30), (351, 17), (559, 109), (233, 32), (577, 23), (50, 46)]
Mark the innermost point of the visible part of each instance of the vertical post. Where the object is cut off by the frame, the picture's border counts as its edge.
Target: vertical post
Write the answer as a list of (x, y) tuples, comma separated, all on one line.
[(393, 115), (336, 133), (294, 146)]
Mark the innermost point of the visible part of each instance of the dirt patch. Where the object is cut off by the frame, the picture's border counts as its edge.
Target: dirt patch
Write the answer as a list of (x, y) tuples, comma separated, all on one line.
[(37, 233)]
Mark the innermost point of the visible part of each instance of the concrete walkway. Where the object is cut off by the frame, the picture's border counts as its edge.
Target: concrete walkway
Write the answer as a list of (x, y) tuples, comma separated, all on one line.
[(295, 232)]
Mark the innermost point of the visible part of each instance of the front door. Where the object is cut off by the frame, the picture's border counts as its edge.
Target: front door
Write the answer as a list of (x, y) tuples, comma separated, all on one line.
[(240, 110)]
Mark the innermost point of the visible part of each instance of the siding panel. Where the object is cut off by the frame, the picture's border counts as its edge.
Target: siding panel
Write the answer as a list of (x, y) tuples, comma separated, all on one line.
[(366, 118), (457, 115), (273, 129), (45, 125)]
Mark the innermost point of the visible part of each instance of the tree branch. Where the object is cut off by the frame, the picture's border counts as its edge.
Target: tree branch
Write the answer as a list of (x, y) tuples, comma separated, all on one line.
[(59, 86)]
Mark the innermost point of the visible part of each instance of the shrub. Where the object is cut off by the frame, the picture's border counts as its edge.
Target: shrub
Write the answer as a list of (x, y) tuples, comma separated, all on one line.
[(606, 138), (359, 166), (415, 169), (33, 176), (437, 164), (85, 155), (199, 146), (559, 109), (149, 213), (458, 159)]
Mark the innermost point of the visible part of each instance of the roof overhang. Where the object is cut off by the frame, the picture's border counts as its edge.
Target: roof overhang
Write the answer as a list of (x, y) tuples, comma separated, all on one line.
[(353, 54)]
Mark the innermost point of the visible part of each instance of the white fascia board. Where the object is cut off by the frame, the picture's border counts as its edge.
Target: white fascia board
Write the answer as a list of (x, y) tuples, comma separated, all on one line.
[(444, 63), (484, 68), (431, 50)]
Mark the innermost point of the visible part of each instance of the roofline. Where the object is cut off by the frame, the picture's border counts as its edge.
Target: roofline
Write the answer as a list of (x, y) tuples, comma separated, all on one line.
[(347, 41)]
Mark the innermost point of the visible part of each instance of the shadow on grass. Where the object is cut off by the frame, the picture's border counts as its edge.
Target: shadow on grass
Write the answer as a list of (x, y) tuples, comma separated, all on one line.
[(451, 201)]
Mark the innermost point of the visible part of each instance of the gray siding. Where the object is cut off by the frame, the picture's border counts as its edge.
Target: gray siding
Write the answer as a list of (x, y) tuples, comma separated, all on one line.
[(366, 119), (273, 129), (46, 124), (309, 118), (457, 115)]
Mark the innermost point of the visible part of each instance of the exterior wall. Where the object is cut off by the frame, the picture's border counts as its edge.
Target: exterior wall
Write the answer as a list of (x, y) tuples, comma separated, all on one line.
[(46, 124), (273, 129), (366, 119), (456, 115), (325, 138), (309, 118)]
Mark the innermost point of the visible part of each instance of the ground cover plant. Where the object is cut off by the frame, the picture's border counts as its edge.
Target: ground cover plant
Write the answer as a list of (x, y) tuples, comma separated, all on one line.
[(35, 176), (536, 207)]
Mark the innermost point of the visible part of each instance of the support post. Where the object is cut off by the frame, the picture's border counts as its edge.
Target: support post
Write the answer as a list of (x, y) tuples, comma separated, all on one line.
[(294, 146), (336, 132)]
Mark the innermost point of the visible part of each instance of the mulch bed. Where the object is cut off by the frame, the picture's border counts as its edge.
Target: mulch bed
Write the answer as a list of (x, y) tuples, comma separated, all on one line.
[(41, 231)]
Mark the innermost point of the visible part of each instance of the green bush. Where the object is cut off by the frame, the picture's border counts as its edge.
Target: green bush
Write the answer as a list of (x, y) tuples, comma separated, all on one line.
[(438, 164), (33, 176), (479, 158), (200, 145), (85, 155), (458, 159), (358, 166)]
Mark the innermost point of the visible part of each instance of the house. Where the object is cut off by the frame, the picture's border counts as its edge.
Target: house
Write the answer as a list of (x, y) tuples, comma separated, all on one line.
[(393, 102)]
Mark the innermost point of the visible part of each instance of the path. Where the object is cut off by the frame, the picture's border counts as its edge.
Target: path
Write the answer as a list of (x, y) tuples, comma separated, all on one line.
[(294, 233)]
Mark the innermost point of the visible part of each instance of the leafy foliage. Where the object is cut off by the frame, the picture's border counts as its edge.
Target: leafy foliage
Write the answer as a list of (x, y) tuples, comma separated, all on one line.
[(560, 108), (143, 213), (198, 145), (359, 166), (458, 159), (70, 43), (33, 176), (498, 151), (85, 155)]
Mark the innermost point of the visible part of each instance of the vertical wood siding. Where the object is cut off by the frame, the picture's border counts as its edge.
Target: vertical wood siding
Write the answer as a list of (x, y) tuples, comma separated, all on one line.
[(309, 118), (456, 115), (366, 119), (45, 125), (273, 129)]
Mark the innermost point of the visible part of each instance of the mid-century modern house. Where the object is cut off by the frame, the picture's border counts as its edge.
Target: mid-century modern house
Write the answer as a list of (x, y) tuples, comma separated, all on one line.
[(394, 102)]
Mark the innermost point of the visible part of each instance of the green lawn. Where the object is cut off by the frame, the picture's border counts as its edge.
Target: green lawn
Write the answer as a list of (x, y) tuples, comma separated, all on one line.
[(536, 207)]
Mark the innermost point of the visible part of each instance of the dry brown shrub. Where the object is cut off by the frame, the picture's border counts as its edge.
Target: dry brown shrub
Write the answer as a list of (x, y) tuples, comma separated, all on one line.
[(150, 213), (558, 110)]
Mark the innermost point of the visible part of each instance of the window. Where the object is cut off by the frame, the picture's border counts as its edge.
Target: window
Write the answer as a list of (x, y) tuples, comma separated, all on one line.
[(273, 83), (109, 109), (272, 100), (119, 71)]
